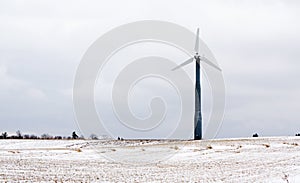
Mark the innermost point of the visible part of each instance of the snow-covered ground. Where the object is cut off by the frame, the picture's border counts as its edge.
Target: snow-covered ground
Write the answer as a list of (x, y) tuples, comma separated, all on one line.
[(274, 159)]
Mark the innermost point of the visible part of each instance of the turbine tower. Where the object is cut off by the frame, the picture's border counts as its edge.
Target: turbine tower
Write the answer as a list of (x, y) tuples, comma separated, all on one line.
[(198, 59)]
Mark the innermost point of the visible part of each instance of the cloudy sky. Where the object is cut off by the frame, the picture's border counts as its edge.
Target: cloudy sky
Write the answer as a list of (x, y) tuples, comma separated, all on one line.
[(255, 42)]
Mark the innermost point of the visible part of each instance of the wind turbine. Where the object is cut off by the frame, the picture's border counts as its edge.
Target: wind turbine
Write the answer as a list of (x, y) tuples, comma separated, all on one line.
[(198, 59)]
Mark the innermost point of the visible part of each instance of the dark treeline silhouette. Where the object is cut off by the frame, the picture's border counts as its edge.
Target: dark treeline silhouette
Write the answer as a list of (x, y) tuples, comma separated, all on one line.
[(44, 136), (256, 134)]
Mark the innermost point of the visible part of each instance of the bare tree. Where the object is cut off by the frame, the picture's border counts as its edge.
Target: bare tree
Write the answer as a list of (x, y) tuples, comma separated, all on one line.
[(4, 135), (19, 135), (74, 135), (46, 136), (93, 137)]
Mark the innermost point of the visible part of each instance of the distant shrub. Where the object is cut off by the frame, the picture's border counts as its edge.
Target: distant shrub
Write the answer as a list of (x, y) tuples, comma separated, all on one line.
[(294, 144), (93, 137), (78, 150), (285, 177), (46, 136), (174, 147), (58, 137), (26, 136), (14, 152), (255, 135), (13, 137), (208, 147), (34, 137)]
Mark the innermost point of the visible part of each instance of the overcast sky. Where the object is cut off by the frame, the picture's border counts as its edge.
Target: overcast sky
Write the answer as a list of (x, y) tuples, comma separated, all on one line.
[(256, 43)]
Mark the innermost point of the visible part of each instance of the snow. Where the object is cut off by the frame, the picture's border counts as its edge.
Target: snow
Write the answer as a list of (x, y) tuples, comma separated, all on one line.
[(270, 159)]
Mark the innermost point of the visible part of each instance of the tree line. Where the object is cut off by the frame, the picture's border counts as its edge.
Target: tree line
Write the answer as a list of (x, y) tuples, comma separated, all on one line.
[(44, 136), (256, 134)]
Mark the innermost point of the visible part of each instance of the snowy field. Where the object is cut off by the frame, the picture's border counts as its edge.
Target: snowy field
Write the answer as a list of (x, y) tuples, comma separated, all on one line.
[(275, 159)]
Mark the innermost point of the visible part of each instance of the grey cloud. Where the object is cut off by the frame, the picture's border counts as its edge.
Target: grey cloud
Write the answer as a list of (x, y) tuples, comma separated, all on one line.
[(256, 43)]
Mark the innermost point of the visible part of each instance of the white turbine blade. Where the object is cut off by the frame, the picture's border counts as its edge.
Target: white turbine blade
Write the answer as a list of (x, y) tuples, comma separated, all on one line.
[(210, 63), (183, 64), (197, 42)]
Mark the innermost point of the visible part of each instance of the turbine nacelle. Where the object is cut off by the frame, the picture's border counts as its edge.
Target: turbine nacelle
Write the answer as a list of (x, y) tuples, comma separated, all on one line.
[(197, 57)]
